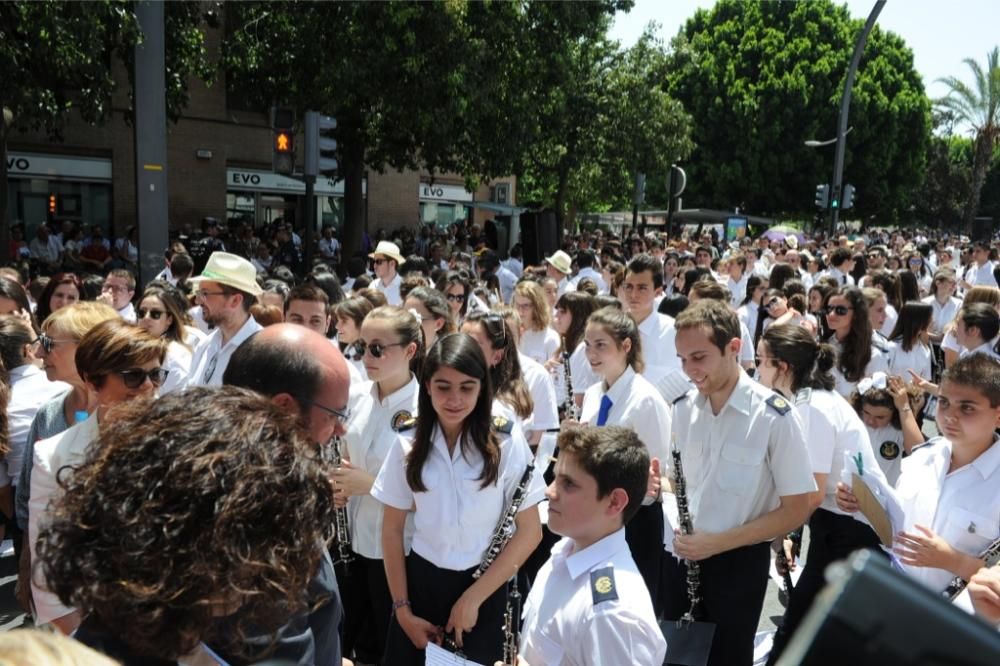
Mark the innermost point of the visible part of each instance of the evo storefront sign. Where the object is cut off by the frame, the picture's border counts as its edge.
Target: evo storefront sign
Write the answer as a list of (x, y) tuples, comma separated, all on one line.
[(436, 192), (58, 167), (267, 181)]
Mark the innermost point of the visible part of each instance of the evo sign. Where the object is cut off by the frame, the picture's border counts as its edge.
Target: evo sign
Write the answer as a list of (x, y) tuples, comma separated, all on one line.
[(57, 167), (438, 192), (268, 181)]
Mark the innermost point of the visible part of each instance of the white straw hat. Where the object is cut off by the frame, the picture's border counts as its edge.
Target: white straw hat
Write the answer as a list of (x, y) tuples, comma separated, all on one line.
[(231, 270)]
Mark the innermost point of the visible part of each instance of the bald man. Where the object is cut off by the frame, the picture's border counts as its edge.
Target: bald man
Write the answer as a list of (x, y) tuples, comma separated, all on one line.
[(305, 375)]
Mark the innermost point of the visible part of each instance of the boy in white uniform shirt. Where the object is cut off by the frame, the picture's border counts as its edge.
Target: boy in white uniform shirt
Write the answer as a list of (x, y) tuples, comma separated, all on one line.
[(589, 605), (748, 479), (643, 283)]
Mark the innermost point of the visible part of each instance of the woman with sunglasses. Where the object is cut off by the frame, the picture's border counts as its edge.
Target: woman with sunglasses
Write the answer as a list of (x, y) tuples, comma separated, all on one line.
[(434, 312), (917, 265), (62, 290), (391, 344), (791, 362), (780, 311), (456, 288), (457, 474), (623, 397), (159, 316), (117, 362), (847, 327)]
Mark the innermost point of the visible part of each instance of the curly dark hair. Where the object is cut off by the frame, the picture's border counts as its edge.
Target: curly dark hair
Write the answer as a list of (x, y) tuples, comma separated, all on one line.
[(201, 500)]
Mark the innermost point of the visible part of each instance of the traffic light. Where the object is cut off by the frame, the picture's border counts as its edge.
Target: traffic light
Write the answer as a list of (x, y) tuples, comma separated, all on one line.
[(283, 143), (52, 204), (848, 201), (321, 147), (822, 196)]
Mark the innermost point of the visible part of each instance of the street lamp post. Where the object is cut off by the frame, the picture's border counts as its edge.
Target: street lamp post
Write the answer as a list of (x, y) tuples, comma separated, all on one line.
[(845, 106)]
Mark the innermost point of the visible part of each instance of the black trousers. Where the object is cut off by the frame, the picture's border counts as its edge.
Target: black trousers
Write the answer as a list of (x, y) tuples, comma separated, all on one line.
[(644, 536), (367, 608), (733, 585), (832, 537), (433, 591)]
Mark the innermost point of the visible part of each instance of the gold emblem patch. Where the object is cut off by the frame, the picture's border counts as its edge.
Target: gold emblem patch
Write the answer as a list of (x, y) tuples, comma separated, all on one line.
[(603, 585), (889, 450), (400, 419)]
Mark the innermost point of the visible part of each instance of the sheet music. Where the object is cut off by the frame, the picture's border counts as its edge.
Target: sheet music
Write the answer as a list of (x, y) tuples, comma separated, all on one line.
[(438, 656)]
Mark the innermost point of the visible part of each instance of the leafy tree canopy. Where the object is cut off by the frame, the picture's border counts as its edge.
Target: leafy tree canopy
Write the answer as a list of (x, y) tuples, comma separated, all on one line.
[(760, 78)]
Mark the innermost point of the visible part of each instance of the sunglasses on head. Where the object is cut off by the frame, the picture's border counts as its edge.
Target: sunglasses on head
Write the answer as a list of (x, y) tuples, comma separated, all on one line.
[(497, 319), (375, 349), (153, 314), (47, 343), (135, 377), (839, 310)]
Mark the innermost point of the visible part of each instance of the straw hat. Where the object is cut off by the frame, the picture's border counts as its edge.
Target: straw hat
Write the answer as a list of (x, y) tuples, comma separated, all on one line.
[(391, 250), (231, 270), (561, 262)]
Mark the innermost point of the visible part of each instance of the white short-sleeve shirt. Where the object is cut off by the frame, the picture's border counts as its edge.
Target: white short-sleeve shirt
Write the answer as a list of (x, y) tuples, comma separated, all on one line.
[(583, 376), (371, 433), (455, 518), (878, 362), (887, 443), (635, 404), (545, 414), (211, 349), (659, 348), (539, 345), (739, 463), (391, 290), (943, 314), (567, 624), (918, 359), (29, 390)]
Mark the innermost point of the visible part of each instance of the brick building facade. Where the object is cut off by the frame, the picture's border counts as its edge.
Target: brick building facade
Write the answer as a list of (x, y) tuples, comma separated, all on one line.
[(218, 165)]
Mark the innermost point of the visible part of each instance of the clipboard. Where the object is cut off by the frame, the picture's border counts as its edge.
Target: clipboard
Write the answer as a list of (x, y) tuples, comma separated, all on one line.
[(873, 510)]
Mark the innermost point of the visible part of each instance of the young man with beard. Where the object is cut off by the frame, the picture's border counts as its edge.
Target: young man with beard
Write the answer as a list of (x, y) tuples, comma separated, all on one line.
[(226, 290)]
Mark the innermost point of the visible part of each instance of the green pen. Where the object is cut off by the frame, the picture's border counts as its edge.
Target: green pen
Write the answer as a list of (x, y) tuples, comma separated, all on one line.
[(858, 460)]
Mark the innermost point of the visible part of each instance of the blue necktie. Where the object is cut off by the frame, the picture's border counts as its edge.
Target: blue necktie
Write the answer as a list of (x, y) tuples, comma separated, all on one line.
[(602, 413)]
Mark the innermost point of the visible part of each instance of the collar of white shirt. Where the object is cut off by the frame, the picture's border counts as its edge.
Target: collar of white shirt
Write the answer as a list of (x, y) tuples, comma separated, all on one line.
[(739, 399), (250, 326), (654, 322), (22, 371), (599, 552), (989, 460), (620, 390), (405, 394)]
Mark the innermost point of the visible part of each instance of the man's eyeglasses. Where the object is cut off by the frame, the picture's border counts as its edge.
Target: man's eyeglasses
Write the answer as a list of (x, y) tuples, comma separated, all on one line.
[(136, 377), (47, 343), (456, 298), (155, 315), (375, 349), (343, 416), (839, 310), (117, 289), (378, 262)]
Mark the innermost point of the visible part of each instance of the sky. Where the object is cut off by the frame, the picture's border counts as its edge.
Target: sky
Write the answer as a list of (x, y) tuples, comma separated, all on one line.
[(940, 33)]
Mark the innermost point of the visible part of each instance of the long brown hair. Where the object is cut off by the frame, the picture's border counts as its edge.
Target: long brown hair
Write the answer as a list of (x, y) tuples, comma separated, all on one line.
[(459, 352), (507, 378), (580, 305)]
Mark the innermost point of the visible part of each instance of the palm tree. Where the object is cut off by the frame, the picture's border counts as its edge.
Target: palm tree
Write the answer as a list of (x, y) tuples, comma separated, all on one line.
[(980, 108)]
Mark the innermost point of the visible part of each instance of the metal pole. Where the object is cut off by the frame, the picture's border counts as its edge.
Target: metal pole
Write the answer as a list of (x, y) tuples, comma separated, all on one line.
[(151, 141), (310, 221), (845, 107)]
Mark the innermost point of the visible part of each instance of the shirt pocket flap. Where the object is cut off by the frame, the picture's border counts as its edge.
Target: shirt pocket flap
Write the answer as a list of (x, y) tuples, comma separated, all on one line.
[(969, 531)]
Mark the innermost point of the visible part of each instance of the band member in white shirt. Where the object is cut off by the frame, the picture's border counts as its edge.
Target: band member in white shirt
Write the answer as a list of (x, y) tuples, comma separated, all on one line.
[(643, 283), (457, 475), (391, 347), (748, 480)]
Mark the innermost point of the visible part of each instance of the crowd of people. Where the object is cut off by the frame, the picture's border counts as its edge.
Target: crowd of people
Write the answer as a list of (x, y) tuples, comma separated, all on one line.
[(246, 460)]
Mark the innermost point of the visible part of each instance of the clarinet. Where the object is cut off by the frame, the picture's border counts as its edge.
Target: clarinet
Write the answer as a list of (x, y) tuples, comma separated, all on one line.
[(332, 455), (512, 624), (991, 556), (572, 411), (687, 527), (505, 528)]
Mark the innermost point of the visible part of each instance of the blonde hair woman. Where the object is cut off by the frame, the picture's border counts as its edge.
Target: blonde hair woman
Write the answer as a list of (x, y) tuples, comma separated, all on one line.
[(538, 340)]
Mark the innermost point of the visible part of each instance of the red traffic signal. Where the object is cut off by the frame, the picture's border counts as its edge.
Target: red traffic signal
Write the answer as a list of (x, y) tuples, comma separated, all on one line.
[(284, 142)]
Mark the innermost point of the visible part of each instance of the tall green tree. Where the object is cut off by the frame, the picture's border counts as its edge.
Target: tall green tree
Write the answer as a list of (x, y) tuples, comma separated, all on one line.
[(977, 105), (760, 78), (447, 86), (58, 60)]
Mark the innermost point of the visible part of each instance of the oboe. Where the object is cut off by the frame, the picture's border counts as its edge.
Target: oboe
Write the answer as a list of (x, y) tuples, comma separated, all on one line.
[(342, 531), (505, 528), (991, 556), (687, 527), (512, 624), (572, 411)]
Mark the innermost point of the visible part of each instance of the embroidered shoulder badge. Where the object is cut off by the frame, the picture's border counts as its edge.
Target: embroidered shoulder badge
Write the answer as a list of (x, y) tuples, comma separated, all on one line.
[(803, 396), (602, 585), (403, 420), (778, 404), (889, 450), (503, 424), (680, 397)]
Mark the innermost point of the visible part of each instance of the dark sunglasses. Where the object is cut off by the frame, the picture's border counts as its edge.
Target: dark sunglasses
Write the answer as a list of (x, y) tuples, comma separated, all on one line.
[(455, 298), (839, 310), (378, 262), (135, 377), (771, 303), (153, 314), (375, 349), (47, 343)]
